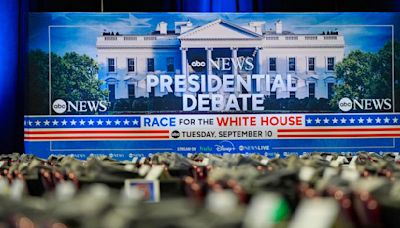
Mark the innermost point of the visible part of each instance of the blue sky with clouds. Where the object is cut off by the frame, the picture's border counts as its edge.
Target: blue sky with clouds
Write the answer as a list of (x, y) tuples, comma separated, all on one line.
[(78, 31)]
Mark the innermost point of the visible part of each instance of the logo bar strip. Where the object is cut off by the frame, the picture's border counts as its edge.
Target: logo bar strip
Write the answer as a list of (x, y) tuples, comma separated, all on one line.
[(97, 132), (338, 135)]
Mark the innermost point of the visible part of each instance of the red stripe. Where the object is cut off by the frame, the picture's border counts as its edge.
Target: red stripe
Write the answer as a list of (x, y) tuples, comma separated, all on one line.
[(338, 129), (94, 131), (339, 136), (99, 137)]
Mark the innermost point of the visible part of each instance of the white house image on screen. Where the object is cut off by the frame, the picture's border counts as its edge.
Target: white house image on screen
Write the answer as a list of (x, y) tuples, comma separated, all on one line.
[(310, 59)]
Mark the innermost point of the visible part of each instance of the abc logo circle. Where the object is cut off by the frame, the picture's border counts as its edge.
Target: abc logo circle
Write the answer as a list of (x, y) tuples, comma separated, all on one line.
[(175, 134), (345, 104), (198, 64), (59, 106)]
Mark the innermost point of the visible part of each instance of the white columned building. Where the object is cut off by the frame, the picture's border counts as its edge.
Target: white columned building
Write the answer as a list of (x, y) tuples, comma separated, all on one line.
[(184, 61), (209, 56), (310, 59)]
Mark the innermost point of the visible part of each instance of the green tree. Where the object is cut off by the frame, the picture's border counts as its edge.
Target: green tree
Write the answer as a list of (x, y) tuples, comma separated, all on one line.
[(364, 75), (37, 86), (396, 73), (382, 72), (73, 77)]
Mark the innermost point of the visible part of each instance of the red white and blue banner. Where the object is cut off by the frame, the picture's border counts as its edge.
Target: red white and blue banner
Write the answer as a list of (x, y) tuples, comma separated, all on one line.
[(127, 136), (128, 85)]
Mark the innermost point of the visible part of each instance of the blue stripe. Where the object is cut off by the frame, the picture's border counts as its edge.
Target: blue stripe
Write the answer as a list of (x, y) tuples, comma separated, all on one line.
[(352, 120), (82, 122)]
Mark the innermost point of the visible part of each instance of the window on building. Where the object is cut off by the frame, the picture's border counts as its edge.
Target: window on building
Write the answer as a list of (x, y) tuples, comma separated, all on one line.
[(311, 90), (272, 94), (331, 63), (111, 92), (152, 92), (111, 65), (293, 93), (292, 64), (311, 64), (131, 65), (170, 64), (150, 65), (131, 91), (330, 90), (272, 64)]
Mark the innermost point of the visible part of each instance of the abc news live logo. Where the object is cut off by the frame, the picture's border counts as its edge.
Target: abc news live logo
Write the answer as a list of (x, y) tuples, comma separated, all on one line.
[(346, 104), (60, 106)]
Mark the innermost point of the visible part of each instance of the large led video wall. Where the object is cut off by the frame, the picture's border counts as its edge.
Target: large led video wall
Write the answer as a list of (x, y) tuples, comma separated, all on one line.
[(132, 84)]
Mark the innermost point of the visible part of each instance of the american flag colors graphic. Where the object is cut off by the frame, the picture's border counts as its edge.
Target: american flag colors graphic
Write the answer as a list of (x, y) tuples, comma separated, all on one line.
[(88, 128), (124, 136), (346, 126)]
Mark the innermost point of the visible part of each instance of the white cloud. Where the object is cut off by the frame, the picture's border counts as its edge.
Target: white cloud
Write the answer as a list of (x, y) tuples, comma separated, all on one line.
[(134, 21)]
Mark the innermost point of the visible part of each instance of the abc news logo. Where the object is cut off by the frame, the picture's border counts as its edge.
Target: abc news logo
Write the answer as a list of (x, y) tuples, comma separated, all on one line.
[(346, 104), (226, 63), (175, 134), (197, 63), (60, 106)]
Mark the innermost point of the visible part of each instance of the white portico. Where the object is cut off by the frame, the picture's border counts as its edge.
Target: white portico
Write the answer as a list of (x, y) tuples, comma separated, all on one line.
[(219, 34), (213, 48)]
